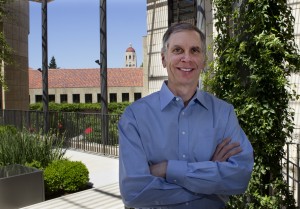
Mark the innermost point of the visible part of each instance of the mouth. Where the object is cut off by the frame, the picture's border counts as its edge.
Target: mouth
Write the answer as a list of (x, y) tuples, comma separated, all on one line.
[(186, 69)]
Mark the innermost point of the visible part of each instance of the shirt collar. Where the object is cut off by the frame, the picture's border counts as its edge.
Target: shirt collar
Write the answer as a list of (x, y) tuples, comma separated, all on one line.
[(199, 98), (166, 96)]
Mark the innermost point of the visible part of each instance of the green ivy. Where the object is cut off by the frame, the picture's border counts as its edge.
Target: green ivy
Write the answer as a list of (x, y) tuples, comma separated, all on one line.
[(255, 53)]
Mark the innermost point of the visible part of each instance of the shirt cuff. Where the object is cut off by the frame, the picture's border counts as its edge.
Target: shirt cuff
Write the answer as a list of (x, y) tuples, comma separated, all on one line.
[(176, 172)]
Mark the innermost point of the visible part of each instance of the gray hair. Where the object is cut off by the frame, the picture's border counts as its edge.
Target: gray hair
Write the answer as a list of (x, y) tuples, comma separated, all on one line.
[(183, 26)]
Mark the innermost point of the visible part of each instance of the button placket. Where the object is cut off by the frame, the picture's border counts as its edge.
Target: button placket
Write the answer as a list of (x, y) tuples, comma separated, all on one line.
[(183, 136)]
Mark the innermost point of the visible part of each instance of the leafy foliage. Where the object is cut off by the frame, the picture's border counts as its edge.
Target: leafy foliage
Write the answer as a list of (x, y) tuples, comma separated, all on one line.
[(256, 53), (65, 176), (23, 147), (113, 108)]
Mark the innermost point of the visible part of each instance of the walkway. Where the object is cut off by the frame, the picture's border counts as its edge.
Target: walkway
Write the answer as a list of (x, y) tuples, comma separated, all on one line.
[(103, 173)]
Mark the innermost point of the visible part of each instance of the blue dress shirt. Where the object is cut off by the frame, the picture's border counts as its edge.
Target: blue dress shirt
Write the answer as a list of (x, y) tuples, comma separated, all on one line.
[(159, 127)]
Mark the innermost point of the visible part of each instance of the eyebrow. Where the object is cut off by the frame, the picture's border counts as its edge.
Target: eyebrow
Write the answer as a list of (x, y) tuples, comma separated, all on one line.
[(193, 47)]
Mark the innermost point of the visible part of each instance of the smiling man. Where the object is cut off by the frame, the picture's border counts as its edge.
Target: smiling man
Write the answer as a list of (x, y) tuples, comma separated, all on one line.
[(180, 147)]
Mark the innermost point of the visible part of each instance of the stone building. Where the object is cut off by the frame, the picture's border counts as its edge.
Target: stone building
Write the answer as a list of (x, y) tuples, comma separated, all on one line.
[(16, 30), (83, 85)]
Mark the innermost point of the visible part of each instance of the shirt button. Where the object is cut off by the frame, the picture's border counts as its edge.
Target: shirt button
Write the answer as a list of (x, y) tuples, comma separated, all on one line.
[(177, 99), (175, 180), (183, 156), (186, 203), (182, 113), (183, 132)]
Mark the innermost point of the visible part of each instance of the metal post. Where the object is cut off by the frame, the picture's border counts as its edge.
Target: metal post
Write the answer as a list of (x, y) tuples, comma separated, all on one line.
[(45, 66), (103, 73), (298, 175), (288, 164)]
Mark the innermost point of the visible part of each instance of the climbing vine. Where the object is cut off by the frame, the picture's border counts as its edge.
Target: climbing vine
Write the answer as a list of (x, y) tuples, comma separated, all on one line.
[(255, 54)]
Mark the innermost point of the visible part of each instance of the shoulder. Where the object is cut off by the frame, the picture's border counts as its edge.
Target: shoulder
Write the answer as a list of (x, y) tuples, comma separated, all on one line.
[(150, 101), (209, 100)]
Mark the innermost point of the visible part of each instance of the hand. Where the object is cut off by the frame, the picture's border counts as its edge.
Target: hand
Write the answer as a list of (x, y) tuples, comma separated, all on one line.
[(159, 169), (226, 150)]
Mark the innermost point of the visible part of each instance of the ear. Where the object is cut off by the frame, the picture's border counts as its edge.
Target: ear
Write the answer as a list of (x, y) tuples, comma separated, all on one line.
[(163, 60)]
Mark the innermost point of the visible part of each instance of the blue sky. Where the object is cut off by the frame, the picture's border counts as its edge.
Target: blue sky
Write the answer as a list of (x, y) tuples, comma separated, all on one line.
[(74, 37)]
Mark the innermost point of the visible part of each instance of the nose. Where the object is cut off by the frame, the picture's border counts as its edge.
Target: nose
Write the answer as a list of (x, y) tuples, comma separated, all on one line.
[(186, 57)]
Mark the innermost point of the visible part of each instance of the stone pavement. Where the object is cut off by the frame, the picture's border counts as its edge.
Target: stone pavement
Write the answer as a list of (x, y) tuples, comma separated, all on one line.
[(103, 173), (102, 170)]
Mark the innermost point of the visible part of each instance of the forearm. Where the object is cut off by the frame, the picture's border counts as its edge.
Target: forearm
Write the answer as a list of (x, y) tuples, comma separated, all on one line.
[(150, 191), (230, 177)]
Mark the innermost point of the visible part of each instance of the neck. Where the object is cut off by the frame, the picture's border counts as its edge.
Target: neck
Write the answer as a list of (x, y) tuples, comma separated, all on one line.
[(185, 93)]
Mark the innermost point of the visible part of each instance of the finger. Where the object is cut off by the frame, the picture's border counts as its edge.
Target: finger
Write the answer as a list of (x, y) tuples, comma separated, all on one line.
[(226, 151), (227, 148), (222, 144), (219, 148), (231, 153)]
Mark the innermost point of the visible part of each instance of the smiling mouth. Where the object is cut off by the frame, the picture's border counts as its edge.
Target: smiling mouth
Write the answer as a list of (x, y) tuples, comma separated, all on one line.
[(186, 69)]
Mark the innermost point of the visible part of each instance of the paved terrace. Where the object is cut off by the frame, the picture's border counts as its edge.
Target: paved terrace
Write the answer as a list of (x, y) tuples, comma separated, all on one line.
[(103, 173)]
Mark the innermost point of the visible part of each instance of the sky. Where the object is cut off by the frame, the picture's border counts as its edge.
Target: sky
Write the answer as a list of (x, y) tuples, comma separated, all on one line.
[(74, 32)]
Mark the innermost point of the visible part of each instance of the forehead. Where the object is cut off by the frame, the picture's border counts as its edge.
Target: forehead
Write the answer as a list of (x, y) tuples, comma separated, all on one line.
[(185, 38)]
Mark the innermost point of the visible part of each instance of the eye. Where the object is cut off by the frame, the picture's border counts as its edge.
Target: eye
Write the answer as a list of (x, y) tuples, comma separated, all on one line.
[(196, 50), (177, 50)]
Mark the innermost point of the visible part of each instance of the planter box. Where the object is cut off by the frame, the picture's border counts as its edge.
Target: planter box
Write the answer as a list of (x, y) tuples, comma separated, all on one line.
[(20, 186)]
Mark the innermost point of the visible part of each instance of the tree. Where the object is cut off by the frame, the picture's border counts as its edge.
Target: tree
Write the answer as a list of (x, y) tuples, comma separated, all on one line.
[(256, 53), (52, 64)]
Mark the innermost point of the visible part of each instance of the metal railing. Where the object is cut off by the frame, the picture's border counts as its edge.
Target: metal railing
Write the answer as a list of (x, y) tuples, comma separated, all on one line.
[(83, 131), (80, 130), (290, 169)]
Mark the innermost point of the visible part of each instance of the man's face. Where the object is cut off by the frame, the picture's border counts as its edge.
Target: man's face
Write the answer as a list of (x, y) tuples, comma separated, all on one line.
[(184, 59)]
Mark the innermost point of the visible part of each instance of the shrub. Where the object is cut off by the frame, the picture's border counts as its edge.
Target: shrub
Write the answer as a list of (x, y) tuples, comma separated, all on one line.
[(24, 147), (35, 164), (65, 176), (113, 108), (9, 129)]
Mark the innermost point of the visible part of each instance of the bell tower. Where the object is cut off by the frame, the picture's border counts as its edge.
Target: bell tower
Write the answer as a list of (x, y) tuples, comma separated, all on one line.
[(130, 57)]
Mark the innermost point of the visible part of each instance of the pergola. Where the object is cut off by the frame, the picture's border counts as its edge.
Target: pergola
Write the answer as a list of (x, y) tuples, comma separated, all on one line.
[(102, 63)]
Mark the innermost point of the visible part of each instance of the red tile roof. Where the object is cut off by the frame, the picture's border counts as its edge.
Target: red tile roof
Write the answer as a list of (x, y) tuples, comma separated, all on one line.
[(83, 78)]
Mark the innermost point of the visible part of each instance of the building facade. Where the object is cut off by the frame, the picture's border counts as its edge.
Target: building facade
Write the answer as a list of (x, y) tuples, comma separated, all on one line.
[(83, 85), (16, 30), (160, 15), (295, 78)]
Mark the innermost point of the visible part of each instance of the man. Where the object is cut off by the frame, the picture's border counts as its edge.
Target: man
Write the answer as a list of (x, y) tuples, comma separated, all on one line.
[(181, 147)]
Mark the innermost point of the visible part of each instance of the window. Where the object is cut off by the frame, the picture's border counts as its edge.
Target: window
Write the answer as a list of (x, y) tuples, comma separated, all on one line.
[(76, 98), (98, 98), (38, 98), (137, 96), (63, 98), (51, 98), (88, 98), (113, 97), (125, 97)]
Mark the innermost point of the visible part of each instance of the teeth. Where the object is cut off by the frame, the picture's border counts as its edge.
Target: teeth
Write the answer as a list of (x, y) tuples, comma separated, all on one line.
[(186, 69)]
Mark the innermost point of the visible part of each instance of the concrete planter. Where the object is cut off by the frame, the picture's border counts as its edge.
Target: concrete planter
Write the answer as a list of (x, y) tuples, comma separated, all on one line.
[(20, 186)]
